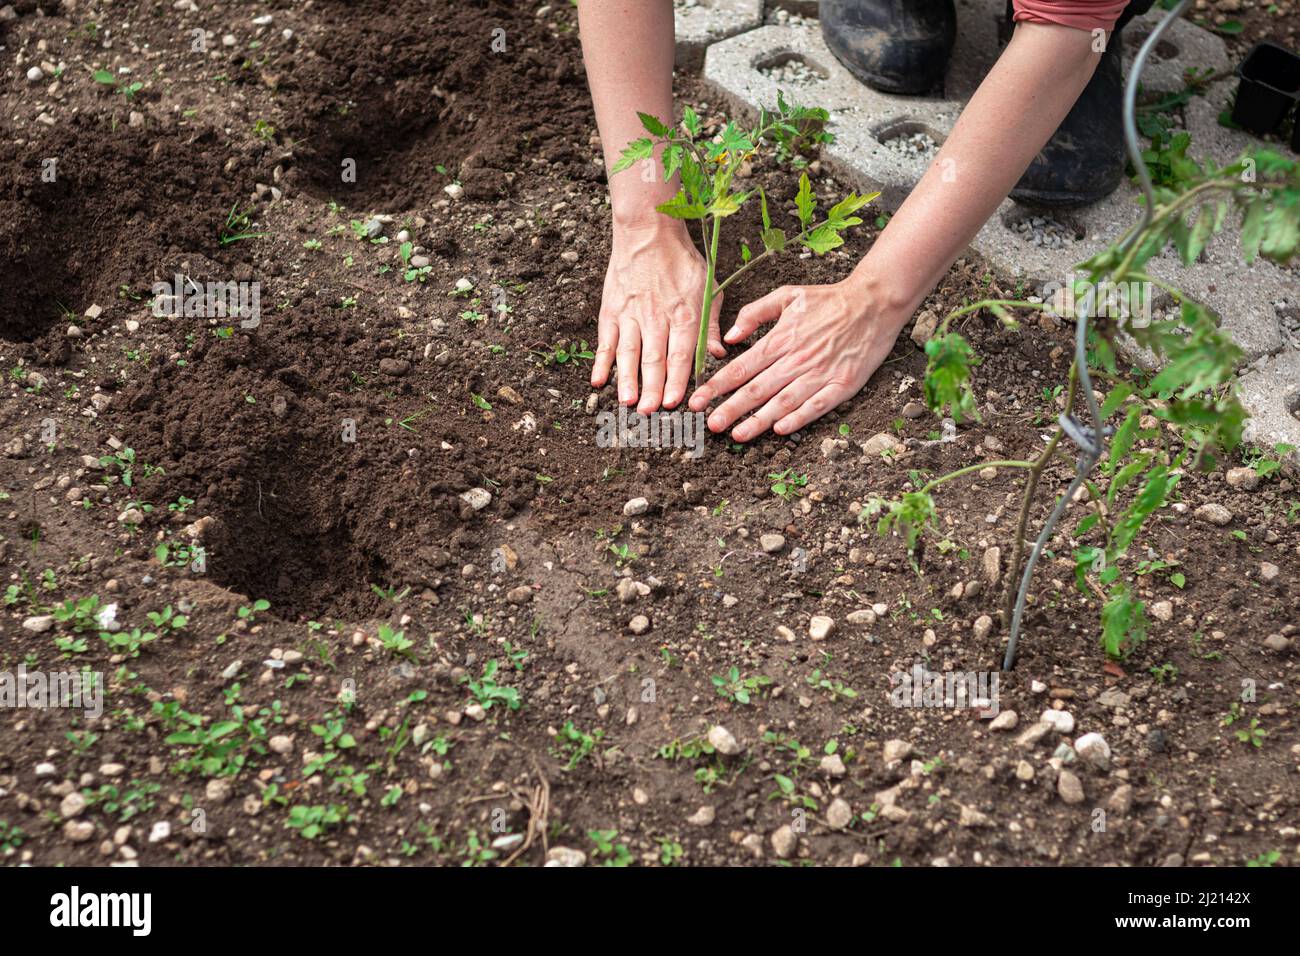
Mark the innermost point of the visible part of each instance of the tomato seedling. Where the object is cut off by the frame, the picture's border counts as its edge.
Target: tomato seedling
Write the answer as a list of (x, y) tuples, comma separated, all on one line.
[(708, 166)]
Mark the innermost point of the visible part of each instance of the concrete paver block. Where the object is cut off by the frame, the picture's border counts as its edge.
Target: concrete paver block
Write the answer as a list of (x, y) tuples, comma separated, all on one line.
[(701, 22), (746, 69), (1271, 391)]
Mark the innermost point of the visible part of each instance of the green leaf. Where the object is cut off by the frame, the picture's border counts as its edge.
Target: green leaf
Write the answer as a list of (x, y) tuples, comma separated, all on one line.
[(774, 240), (636, 150), (804, 200), (1124, 438), (1125, 475), (1123, 622), (1152, 495), (1252, 229), (912, 515), (105, 77), (847, 206), (823, 239), (1115, 398), (735, 141), (690, 122), (1090, 560), (727, 204), (679, 207), (1198, 236), (653, 124), (947, 376), (762, 199), (673, 156)]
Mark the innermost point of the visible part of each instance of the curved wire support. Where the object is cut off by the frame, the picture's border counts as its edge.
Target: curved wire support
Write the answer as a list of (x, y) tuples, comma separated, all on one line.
[(1091, 441)]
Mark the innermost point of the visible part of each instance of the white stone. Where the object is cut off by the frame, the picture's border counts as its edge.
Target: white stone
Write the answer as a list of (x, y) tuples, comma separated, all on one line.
[(722, 740)]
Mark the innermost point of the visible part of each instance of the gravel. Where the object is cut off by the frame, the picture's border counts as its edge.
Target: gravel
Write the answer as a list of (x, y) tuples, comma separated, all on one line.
[(778, 16), (792, 73), (912, 145), (723, 741), (1044, 232)]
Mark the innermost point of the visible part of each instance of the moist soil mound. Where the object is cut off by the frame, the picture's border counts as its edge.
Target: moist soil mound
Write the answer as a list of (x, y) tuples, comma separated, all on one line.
[(84, 215)]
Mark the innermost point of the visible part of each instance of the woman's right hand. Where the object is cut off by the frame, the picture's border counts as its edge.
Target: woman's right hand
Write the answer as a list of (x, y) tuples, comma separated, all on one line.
[(650, 314)]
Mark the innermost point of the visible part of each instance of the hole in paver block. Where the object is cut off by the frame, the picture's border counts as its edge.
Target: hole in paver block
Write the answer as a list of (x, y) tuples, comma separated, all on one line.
[(793, 13), (1036, 228), (1165, 49), (910, 139), (791, 68)]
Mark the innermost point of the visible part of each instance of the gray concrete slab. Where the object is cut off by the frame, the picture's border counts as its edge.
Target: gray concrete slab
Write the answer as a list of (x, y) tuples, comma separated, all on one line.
[(1270, 389), (700, 22)]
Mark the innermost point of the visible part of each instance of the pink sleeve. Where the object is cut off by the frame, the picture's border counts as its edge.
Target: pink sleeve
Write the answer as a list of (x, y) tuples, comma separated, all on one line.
[(1079, 14)]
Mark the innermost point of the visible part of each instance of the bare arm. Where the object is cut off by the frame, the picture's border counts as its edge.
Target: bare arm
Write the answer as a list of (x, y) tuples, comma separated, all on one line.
[(1014, 112), (627, 47), (829, 340), (654, 285)]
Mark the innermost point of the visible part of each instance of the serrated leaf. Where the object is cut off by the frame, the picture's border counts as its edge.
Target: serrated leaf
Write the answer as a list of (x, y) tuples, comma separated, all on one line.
[(672, 161), (1252, 229), (947, 376), (1123, 440), (823, 239), (847, 206), (1115, 398), (774, 240), (1198, 235), (636, 150), (727, 204), (679, 207), (804, 200), (690, 122), (735, 141), (654, 126), (1123, 623)]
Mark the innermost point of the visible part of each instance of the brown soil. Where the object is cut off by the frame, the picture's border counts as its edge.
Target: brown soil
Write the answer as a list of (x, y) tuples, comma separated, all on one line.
[(345, 537)]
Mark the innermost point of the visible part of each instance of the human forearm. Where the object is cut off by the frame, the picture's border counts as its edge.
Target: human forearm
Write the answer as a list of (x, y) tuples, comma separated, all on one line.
[(627, 47), (1013, 113)]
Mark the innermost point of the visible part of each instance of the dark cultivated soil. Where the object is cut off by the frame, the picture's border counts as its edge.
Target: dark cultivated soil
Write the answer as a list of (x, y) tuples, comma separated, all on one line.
[(452, 391)]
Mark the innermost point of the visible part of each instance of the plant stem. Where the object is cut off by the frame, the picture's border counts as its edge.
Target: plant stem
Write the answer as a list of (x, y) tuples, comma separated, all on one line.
[(986, 303), (702, 342), (978, 466), (1027, 500), (813, 227)]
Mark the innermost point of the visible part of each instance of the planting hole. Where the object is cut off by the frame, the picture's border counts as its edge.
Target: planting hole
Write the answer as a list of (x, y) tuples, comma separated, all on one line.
[(56, 266), (1165, 49), (381, 153), (287, 529)]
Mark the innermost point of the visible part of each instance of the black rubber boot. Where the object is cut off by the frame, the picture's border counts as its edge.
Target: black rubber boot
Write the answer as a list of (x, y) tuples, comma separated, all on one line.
[(1084, 160), (895, 46)]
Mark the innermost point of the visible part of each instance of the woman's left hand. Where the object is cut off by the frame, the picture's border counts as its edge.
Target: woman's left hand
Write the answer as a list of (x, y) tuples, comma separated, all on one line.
[(827, 342)]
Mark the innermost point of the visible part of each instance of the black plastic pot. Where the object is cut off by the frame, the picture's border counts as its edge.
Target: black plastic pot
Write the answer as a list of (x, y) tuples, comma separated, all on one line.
[(1270, 85)]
